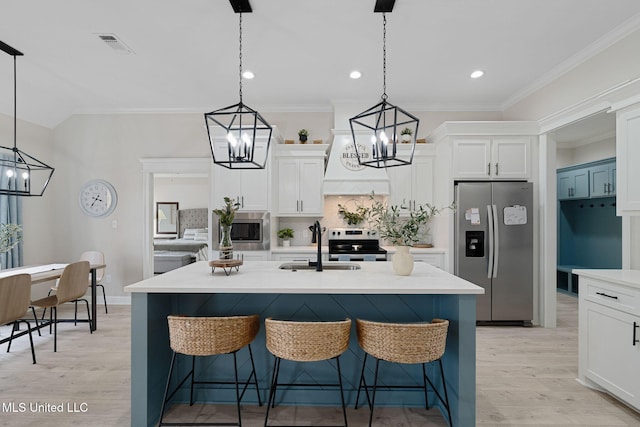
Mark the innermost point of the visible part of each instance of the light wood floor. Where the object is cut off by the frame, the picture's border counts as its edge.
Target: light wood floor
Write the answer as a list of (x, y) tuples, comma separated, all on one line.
[(525, 377)]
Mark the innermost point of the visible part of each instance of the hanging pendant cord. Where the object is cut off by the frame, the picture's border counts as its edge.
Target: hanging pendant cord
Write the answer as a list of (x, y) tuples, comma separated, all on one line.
[(240, 57), (384, 56), (15, 101)]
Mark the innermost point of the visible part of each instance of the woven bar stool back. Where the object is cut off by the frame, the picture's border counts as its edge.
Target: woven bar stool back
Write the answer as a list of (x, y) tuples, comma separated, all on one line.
[(206, 336), (306, 342), (209, 336), (405, 343)]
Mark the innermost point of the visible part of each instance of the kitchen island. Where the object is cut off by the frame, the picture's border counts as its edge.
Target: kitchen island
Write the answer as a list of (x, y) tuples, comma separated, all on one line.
[(373, 292)]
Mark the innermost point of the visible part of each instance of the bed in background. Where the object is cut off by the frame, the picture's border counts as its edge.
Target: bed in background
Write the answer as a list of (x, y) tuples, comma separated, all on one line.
[(191, 246)]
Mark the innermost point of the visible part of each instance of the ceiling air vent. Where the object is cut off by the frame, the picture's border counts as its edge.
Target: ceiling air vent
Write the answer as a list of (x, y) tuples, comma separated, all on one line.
[(116, 44)]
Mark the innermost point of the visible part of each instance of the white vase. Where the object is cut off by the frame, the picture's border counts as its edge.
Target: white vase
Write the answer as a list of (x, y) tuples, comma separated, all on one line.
[(402, 261), (286, 243)]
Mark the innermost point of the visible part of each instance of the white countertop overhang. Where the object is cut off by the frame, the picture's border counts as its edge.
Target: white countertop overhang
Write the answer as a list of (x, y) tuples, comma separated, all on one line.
[(621, 277), (261, 277)]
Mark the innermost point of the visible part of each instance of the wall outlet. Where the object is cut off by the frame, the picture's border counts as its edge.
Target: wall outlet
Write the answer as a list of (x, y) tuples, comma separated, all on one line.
[(107, 278), (305, 233), (114, 223)]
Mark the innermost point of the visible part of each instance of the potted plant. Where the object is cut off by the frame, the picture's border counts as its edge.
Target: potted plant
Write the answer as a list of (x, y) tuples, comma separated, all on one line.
[(303, 134), (401, 230), (285, 234), (405, 134), (10, 236), (226, 215)]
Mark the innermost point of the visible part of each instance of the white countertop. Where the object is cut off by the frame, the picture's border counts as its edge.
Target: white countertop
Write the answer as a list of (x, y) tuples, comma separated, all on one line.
[(622, 277), (325, 250), (266, 277)]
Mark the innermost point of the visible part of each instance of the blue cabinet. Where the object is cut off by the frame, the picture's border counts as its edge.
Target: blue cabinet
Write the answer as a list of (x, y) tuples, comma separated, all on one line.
[(596, 179), (603, 180), (573, 184)]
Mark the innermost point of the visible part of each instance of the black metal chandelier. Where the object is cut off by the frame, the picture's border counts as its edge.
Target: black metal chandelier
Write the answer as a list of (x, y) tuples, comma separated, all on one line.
[(378, 131), (238, 135), (20, 173)]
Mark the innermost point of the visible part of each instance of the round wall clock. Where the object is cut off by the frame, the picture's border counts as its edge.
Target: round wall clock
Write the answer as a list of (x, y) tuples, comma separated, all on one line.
[(97, 198)]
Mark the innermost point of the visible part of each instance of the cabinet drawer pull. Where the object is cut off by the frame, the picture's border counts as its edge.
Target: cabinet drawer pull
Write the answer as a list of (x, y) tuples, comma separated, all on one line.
[(496, 169), (605, 188), (605, 295), (488, 168), (635, 326)]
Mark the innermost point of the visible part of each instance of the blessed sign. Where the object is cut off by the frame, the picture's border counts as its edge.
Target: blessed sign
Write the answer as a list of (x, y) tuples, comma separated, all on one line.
[(349, 157)]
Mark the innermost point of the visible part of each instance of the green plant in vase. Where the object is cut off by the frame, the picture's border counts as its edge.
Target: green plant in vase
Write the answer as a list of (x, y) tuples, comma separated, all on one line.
[(226, 215), (402, 227), (303, 134), (405, 134), (285, 234)]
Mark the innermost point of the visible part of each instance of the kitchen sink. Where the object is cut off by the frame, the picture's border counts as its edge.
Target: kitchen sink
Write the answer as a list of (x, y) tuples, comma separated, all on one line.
[(327, 265)]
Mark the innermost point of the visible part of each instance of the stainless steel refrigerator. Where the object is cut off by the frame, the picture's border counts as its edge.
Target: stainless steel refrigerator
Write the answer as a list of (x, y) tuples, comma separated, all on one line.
[(494, 247)]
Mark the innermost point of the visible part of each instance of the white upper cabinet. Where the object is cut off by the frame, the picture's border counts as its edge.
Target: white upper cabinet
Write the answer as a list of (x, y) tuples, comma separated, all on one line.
[(627, 159), (412, 185), (298, 186), (492, 158), (250, 187)]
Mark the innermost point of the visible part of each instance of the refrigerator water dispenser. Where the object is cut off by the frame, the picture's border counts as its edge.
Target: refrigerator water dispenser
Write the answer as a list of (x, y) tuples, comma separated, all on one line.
[(474, 244)]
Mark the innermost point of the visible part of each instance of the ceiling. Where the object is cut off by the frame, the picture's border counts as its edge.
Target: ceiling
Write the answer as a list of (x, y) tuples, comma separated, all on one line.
[(186, 53)]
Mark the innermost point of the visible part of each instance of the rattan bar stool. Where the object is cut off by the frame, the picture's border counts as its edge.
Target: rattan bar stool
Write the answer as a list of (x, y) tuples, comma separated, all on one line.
[(405, 343), (306, 342), (208, 336)]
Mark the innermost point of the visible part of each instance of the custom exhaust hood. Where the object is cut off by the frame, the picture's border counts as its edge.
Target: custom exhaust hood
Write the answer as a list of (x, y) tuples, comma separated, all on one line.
[(344, 175)]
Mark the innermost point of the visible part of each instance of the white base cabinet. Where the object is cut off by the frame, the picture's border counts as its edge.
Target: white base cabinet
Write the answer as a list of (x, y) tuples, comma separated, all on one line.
[(609, 334)]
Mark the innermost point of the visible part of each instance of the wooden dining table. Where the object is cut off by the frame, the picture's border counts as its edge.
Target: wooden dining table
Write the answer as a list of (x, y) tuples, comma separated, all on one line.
[(48, 272)]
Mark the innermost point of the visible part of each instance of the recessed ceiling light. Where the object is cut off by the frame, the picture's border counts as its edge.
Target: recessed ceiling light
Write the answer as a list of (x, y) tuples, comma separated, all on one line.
[(248, 75), (355, 74), (477, 74)]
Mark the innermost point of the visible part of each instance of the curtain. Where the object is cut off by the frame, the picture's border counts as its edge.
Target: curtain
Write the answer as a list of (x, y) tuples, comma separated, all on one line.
[(10, 213)]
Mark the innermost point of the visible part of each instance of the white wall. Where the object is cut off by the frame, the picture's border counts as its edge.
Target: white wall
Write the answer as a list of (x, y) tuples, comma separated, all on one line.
[(586, 153)]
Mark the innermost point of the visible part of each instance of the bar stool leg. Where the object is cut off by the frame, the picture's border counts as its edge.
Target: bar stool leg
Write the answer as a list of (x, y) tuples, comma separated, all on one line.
[(166, 389), (446, 396), (272, 389), (255, 376), (235, 371), (424, 383), (193, 374), (373, 396), (55, 328), (363, 383), (344, 410)]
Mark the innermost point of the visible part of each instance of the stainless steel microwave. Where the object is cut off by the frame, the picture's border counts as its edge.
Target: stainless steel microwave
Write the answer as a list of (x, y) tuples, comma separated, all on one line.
[(250, 231)]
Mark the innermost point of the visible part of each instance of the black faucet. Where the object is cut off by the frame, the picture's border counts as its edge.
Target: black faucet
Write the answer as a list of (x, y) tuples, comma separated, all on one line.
[(317, 238)]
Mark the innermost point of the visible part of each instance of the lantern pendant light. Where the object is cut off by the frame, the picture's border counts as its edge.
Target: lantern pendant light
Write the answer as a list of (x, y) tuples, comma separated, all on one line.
[(377, 131), (20, 173), (238, 135)]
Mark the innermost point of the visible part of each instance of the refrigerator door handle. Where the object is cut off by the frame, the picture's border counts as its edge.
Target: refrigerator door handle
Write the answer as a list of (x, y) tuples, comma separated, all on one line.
[(496, 245), (490, 221)]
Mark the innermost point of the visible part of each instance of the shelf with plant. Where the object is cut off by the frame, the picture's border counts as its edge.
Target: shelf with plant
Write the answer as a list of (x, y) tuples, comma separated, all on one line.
[(286, 234)]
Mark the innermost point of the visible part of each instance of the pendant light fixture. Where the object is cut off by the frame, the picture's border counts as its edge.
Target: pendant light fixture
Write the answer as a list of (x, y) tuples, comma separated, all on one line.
[(20, 173), (377, 131), (239, 136)]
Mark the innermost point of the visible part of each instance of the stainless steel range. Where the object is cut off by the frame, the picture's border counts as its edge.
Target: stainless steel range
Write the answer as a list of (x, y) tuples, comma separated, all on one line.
[(355, 244)]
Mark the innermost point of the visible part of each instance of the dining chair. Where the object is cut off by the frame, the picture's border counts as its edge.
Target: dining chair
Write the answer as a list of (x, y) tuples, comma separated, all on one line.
[(71, 288), (15, 293), (94, 257)]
